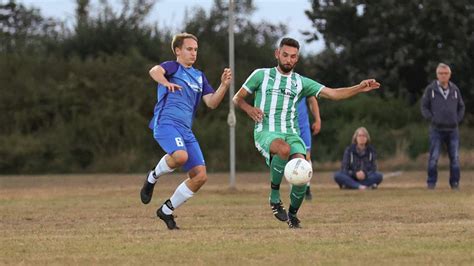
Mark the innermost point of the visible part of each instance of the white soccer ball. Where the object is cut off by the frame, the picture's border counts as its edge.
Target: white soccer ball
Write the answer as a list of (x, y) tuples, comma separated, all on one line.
[(298, 171)]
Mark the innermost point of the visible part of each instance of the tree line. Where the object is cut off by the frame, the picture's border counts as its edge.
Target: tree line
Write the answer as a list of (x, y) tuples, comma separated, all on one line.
[(78, 99)]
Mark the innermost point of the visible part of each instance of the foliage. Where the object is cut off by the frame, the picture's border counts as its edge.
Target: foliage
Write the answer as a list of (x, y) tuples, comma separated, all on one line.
[(115, 33), (391, 124), (399, 42), (25, 30), (79, 99)]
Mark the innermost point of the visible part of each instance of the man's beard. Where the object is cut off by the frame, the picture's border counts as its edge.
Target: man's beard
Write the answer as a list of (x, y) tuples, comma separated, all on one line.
[(285, 68)]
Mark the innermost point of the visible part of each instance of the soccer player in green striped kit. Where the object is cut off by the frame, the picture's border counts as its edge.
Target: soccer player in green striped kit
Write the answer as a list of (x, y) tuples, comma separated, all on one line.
[(277, 91)]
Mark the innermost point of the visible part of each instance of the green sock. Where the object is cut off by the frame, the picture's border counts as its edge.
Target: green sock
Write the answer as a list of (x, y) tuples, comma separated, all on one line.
[(297, 195), (277, 166)]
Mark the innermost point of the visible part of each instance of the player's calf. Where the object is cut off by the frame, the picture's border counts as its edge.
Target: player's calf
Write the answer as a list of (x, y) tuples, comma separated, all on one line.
[(161, 168), (196, 182), (197, 178)]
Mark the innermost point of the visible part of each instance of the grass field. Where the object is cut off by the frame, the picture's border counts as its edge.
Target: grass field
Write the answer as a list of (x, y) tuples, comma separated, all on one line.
[(99, 219)]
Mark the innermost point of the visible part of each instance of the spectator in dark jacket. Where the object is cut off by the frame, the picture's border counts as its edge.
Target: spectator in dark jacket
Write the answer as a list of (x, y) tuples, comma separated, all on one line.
[(443, 106), (359, 168)]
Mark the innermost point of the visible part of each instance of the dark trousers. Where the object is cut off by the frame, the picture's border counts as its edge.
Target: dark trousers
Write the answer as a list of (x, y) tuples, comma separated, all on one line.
[(346, 181), (451, 139)]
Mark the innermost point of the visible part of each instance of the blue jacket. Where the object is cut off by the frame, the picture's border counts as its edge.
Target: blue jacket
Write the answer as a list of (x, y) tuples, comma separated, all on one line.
[(352, 161), (444, 114)]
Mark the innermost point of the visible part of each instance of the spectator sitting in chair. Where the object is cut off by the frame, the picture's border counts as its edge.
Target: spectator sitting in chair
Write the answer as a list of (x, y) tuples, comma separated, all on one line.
[(359, 168)]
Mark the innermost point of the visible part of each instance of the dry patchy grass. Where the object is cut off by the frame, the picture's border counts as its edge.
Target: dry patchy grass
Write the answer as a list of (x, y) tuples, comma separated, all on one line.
[(98, 219)]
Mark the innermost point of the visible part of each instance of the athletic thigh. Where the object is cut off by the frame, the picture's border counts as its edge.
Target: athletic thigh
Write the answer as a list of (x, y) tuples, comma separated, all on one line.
[(263, 141), (297, 145), (169, 138), (195, 156)]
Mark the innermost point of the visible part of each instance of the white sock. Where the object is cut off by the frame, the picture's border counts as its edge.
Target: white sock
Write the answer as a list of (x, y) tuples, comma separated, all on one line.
[(160, 169), (181, 195)]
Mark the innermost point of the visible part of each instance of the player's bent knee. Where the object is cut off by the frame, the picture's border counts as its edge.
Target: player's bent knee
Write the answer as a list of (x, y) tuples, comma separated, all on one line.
[(180, 158), (198, 175), (202, 178), (199, 179), (284, 151)]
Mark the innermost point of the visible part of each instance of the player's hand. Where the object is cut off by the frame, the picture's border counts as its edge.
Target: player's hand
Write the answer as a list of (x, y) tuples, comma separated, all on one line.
[(226, 77), (360, 175), (172, 87), (316, 127), (369, 84), (256, 114)]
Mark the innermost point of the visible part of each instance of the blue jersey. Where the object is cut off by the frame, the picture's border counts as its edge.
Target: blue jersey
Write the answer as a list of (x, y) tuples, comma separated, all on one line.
[(179, 107), (303, 118)]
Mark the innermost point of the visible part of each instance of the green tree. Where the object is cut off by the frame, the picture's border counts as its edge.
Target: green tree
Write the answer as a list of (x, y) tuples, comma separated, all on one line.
[(85, 106), (24, 30), (86, 111), (399, 42), (112, 32)]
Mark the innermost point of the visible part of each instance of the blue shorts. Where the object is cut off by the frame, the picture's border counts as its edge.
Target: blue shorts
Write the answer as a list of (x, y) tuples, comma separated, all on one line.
[(173, 137), (305, 134)]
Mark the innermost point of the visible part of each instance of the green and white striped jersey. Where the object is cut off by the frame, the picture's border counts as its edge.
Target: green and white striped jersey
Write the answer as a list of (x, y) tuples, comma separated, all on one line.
[(277, 96)]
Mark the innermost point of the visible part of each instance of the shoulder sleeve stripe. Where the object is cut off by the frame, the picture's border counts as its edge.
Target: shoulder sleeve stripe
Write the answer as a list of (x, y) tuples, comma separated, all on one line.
[(170, 67), (319, 92), (248, 80), (247, 89)]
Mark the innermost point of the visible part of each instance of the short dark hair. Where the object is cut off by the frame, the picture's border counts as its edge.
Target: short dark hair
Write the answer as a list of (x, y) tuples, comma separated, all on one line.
[(289, 42), (178, 40)]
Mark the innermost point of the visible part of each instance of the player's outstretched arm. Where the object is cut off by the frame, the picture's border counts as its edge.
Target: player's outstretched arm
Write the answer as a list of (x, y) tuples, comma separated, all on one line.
[(213, 100), (347, 92), (314, 108), (253, 112), (157, 73)]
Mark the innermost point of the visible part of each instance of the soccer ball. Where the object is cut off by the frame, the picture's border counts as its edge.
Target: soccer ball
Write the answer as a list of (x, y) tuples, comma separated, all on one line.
[(298, 171)]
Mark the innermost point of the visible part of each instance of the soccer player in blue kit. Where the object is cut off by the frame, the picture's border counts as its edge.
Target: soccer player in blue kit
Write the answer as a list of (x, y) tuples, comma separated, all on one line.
[(306, 130), (180, 89)]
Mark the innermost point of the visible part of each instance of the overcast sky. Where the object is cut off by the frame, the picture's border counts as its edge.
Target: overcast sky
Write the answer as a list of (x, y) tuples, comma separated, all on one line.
[(170, 13)]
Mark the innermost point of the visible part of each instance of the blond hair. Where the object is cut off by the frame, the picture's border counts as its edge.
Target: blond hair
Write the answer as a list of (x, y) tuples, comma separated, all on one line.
[(362, 130), (179, 38)]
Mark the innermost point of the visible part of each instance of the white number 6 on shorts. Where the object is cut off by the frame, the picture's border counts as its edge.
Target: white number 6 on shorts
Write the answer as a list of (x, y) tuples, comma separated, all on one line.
[(179, 142)]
